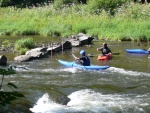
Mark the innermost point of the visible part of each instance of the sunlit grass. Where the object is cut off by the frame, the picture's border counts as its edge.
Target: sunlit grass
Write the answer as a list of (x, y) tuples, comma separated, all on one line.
[(23, 45), (131, 23)]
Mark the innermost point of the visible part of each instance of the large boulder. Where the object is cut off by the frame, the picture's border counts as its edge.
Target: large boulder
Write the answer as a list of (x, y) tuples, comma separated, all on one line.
[(23, 58), (37, 52), (61, 47), (75, 43), (39, 49), (3, 60), (84, 39), (80, 39)]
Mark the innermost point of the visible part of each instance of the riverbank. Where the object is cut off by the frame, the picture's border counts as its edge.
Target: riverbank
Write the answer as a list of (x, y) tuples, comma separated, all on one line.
[(131, 23)]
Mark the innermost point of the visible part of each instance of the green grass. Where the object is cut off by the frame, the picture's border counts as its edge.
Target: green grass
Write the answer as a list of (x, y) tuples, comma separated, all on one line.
[(128, 23), (23, 45)]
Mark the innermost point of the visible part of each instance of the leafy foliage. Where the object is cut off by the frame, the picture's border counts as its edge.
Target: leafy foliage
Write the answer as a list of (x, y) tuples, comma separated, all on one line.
[(97, 6), (7, 97), (23, 45), (7, 71), (4, 3)]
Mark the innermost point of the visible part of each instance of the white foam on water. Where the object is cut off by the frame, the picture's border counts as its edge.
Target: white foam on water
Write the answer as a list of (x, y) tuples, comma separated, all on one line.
[(51, 70), (46, 105), (88, 101), (19, 68), (127, 72), (71, 70), (110, 70)]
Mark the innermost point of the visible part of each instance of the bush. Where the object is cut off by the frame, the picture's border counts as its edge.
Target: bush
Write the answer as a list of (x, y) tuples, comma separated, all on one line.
[(96, 6), (4, 3), (23, 45)]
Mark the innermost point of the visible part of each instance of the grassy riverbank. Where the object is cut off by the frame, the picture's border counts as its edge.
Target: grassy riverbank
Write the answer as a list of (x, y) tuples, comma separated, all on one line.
[(130, 22)]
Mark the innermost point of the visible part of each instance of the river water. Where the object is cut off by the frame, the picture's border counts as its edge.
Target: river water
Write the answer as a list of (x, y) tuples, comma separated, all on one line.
[(47, 85)]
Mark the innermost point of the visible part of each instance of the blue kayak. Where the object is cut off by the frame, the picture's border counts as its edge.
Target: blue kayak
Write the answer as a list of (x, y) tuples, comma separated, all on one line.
[(138, 51), (73, 64)]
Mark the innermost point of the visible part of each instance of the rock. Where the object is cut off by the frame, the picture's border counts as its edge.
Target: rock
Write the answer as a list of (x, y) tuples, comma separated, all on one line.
[(23, 58), (80, 39), (57, 48), (37, 52), (40, 49), (3, 60), (84, 39), (75, 43)]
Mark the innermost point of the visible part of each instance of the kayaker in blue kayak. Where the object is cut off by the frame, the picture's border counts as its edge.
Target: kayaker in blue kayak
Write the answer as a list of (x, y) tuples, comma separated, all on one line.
[(85, 60), (104, 49)]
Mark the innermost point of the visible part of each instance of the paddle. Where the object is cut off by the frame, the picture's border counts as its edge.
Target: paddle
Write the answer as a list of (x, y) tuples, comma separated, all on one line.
[(74, 56), (79, 62), (92, 55)]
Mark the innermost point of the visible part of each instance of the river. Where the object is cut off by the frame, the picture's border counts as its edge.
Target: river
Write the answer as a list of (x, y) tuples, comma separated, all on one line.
[(122, 88)]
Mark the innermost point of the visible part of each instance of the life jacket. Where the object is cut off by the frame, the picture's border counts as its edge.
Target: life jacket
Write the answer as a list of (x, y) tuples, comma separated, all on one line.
[(87, 62), (105, 50)]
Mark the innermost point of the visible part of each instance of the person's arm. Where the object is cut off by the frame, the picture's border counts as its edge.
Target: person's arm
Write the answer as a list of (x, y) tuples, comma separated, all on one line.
[(99, 49), (80, 60), (77, 58), (109, 52)]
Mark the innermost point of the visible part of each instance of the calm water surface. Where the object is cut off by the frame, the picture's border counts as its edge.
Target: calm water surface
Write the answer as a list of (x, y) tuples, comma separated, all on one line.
[(122, 88)]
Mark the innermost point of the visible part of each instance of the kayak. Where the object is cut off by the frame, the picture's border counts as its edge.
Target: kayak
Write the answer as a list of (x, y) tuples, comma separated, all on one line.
[(138, 51), (75, 65), (104, 57)]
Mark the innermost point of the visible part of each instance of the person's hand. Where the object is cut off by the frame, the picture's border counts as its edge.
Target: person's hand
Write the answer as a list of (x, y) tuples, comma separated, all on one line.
[(77, 58), (80, 62), (99, 49)]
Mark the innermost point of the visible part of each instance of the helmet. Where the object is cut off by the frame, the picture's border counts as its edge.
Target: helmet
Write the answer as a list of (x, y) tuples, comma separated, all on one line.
[(82, 52)]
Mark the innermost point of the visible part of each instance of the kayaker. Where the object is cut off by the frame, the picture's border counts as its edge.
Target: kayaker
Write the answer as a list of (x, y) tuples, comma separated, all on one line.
[(105, 49), (85, 60)]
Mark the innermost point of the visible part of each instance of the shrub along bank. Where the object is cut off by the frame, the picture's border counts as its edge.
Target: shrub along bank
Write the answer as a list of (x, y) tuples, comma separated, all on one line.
[(129, 21)]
